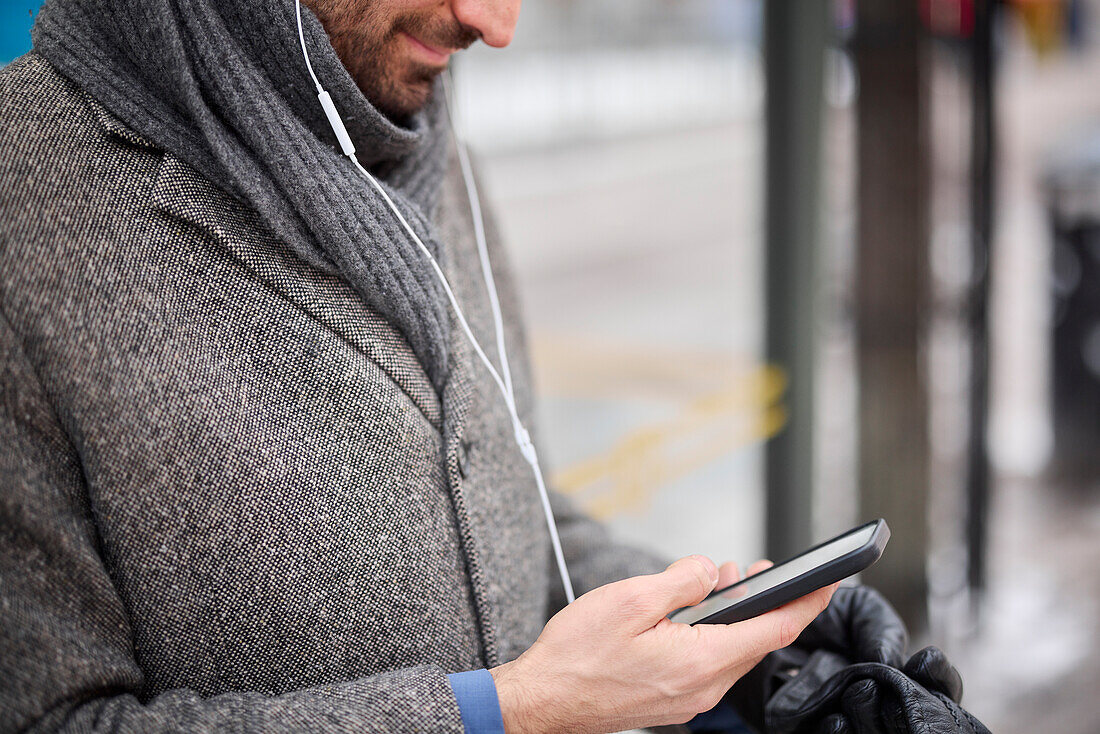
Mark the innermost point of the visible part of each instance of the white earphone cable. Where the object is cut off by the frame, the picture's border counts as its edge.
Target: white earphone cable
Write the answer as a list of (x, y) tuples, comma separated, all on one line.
[(302, 38), (522, 437)]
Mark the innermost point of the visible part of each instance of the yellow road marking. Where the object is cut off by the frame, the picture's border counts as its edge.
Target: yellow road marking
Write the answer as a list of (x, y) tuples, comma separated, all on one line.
[(744, 410)]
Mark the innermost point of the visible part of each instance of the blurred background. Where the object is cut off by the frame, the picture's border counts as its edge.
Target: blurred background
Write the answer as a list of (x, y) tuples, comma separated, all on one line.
[(789, 265)]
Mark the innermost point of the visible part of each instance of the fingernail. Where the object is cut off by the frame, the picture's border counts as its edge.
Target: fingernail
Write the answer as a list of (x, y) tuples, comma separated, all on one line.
[(712, 570)]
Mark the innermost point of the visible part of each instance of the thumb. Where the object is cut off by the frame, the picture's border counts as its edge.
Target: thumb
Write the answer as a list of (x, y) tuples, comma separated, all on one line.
[(644, 601), (683, 584)]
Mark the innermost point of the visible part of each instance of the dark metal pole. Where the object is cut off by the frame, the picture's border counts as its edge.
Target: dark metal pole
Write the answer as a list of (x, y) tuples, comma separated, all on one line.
[(795, 32), (981, 211), (892, 285)]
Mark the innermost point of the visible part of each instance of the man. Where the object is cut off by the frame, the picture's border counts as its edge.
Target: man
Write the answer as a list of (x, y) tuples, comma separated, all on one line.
[(253, 477)]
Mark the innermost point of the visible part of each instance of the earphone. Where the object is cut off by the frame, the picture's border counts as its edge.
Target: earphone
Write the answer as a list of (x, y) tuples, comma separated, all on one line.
[(522, 437)]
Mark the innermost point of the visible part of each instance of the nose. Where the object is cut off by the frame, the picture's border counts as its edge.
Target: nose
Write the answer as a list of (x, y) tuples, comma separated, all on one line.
[(495, 20)]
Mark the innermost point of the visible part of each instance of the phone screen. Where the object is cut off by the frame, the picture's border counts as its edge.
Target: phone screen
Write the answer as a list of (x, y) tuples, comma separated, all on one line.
[(775, 575)]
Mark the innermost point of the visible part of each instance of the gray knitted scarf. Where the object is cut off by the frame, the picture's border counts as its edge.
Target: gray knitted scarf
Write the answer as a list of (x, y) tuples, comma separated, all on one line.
[(222, 85)]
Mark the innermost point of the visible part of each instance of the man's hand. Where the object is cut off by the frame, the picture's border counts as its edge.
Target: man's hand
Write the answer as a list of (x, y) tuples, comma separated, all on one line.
[(612, 661)]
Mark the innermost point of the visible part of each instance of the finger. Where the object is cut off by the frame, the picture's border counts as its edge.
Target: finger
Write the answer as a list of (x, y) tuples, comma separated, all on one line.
[(728, 574), (683, 584), (772, 630), (759, 566)]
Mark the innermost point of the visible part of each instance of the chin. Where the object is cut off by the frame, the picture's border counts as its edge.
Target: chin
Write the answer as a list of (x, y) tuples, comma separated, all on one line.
[(413, 97), (400, 96)]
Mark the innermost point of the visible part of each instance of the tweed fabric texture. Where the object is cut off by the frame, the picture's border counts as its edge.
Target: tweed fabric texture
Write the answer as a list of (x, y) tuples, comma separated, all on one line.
[(230, 496), (222, 84)]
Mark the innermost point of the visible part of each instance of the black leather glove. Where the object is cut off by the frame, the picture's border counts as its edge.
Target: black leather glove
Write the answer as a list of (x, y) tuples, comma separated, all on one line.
[(831, 696), (930, 668), (859, 625)]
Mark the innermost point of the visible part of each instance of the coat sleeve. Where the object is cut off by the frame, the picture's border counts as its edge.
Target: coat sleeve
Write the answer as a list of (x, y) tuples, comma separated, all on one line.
[(593, 555), (66, 657)]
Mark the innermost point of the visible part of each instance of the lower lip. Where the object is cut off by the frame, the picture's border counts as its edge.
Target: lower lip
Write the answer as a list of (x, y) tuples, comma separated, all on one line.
[(429, 53)]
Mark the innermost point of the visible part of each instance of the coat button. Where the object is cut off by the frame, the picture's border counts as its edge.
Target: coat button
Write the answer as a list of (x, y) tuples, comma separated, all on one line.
[(463, 459)]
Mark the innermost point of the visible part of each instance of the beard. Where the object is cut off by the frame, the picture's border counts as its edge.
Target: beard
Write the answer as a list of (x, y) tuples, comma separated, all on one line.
[(371, 47)]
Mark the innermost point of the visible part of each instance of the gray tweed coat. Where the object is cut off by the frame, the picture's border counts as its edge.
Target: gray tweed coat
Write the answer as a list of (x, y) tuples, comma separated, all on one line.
[(229, 497)]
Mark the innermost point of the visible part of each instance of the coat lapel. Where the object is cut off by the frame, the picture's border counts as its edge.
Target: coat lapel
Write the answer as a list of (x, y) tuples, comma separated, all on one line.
[(181, 192)]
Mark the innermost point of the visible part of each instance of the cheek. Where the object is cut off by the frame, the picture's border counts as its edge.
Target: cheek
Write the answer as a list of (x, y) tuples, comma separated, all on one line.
[(367, 55), (360, 25)]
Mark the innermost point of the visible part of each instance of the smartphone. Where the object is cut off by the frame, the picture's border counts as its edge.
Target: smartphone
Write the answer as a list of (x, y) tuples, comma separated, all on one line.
[(831, 561)]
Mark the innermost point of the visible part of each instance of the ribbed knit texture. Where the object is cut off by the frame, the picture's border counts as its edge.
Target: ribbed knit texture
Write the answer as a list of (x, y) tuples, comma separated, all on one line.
[(222, 84)]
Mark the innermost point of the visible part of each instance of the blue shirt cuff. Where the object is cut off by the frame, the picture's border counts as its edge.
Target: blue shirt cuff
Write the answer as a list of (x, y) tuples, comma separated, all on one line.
[(478, 704)]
